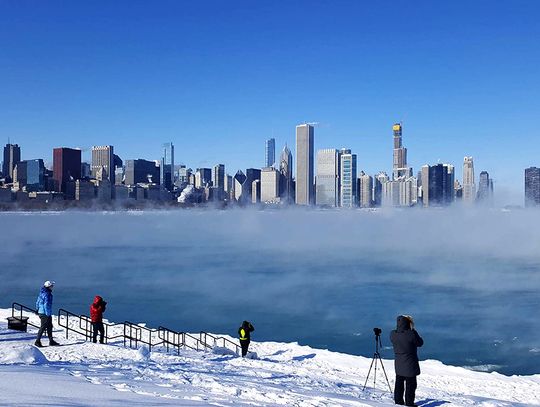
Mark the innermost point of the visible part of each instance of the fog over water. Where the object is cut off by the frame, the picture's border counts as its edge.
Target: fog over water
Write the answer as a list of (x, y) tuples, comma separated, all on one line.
[(470, 278)]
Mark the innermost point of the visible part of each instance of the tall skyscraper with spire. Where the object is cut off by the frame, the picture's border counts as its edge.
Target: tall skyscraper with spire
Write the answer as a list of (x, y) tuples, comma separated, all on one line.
[(469, 186), (399, 167), (305, 194)]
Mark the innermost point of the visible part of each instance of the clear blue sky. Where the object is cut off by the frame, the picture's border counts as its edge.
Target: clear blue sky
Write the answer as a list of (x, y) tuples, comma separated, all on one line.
[(217, 78)]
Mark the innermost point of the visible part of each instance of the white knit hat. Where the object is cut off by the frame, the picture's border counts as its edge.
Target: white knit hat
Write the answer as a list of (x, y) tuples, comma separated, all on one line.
[(48, 283)]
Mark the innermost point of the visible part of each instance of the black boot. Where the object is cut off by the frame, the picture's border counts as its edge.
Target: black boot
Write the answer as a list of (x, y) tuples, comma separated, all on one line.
[(38, 343), (52, 342)]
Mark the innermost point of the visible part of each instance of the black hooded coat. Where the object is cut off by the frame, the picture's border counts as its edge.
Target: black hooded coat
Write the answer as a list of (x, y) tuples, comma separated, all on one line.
[(406, 341)]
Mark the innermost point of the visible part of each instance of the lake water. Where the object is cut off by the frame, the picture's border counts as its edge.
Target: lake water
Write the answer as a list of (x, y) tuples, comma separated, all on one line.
[(321, 278)]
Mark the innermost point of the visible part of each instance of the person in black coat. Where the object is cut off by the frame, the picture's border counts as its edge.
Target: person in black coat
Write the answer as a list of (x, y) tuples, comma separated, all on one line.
[(244, 333), (406, 341)]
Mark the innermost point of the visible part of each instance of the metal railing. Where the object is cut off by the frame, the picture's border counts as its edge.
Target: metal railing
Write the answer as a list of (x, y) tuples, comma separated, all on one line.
[(83, 325), (133, 334), (19, 308), (206, 338), (180, 340)]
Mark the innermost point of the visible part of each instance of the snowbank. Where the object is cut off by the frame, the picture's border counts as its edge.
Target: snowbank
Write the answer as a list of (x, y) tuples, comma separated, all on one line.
[(17, 353), (280, 374)]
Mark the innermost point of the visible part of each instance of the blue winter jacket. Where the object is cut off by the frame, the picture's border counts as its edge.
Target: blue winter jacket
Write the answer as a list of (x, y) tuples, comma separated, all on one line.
[(44, 301)]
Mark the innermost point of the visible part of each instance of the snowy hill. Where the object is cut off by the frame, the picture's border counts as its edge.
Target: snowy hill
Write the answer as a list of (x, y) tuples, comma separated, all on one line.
[(282, 374)]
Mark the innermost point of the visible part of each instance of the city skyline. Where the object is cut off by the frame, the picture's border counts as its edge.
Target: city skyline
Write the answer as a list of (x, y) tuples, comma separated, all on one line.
[(330, 179), (70, 79)]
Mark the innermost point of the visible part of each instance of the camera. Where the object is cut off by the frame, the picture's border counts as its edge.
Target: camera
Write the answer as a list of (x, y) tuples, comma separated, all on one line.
[(377, 331)]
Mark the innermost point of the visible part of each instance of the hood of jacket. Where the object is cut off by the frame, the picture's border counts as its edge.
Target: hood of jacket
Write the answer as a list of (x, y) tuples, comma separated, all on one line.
[(403, 324), (97, 300)]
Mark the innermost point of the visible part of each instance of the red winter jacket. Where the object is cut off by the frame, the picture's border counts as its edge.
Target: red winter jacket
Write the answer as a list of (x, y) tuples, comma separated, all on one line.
[(97, 309)]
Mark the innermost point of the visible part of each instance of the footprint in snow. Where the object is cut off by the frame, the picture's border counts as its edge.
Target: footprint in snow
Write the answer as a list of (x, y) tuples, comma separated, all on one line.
[(93, 380), (121, 387)]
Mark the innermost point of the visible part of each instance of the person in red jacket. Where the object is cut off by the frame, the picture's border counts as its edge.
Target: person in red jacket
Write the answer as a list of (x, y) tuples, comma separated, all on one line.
[(96, 314)]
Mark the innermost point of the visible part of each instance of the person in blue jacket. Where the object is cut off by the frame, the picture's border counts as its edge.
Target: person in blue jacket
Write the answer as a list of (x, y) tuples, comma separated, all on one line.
[(44, 310)]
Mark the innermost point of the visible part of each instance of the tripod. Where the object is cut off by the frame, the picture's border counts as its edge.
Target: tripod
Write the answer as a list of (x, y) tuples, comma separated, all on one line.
[(375, 360)]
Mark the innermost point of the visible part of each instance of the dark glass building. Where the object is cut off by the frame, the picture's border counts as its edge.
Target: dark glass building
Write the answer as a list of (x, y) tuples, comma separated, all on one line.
[(30, 174), (12, 156), (440, 185), (66, 167), (141, 171), (532, 186)]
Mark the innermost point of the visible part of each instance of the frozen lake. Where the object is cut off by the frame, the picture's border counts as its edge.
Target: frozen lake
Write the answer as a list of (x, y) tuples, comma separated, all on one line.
[(321, 278)]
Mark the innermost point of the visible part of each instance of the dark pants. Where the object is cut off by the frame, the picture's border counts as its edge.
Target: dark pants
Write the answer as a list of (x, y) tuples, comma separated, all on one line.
[(245, 346), (407, 384), (97, 327), (46, 324)]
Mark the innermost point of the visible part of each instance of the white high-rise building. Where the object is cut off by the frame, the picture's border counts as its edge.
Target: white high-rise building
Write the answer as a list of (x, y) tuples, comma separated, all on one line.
[(305, 191), (327, 181), (270, 185), (469, 186)]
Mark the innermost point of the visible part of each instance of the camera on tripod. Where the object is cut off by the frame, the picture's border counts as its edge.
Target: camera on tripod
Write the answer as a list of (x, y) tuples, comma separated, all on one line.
[(377, 359)]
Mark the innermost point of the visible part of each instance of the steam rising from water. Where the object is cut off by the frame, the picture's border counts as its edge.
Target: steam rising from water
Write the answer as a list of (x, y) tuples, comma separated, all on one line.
[(325, 278)]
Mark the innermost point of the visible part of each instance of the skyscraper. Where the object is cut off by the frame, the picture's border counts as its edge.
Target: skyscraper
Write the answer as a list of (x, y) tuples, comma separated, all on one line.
[(438, 184), (167, 167), (327, 181), (270, 178), (378, 181), (485, 189), (103, 162), (238, 185), (203, 177), (252, 174), (30, 174), (218, 177), (347, 179), (270, 152), (469, 186), (286, 169), (12, 156), (141, 171), (304, 165), (66, 167), (399, 167), (365, 187), (532, 187)]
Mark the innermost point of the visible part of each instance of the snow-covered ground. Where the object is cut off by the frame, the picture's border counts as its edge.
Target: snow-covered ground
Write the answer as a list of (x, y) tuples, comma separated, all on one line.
[(281, 374)]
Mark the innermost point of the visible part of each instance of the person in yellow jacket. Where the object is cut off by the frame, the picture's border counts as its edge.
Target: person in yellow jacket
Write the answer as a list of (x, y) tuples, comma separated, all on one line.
[(244, 333)]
